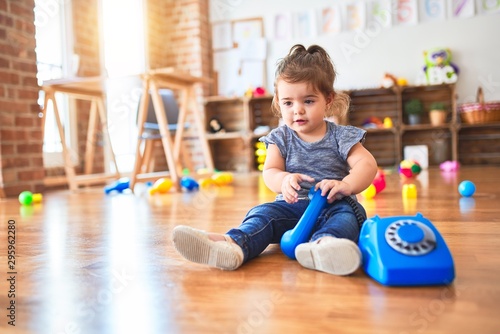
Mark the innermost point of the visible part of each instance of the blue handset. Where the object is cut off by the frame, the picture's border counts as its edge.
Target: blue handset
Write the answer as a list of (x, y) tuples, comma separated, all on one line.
[(302, 231), (404, 251)]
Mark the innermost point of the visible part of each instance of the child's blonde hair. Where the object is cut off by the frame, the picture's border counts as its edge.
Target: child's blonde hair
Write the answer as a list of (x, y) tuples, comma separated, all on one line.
[(312, 65)]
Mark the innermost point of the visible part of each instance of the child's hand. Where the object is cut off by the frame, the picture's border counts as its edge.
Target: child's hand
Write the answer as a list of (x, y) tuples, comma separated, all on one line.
[(290, 185), (335, 189)]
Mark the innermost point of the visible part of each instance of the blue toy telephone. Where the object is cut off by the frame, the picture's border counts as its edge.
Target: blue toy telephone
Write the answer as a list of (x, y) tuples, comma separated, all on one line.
[(405, 250)]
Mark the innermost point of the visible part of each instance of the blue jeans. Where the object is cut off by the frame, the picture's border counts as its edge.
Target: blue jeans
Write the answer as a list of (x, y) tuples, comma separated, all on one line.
[(265, 224)]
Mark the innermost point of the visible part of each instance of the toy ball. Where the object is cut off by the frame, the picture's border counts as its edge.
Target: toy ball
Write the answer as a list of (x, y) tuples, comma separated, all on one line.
[(466, 188), (26, 198), (409, 168), (369, 192)]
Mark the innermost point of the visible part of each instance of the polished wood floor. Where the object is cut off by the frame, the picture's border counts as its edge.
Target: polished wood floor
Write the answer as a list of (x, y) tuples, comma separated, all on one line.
[(91, 263)]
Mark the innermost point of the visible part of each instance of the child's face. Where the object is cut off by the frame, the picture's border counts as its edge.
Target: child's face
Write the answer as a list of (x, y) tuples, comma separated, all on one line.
[(303, 109)]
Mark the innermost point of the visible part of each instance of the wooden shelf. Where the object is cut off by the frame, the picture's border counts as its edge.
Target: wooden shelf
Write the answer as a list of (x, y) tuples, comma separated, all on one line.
[(240, 116), (467, 143), (387, 145)]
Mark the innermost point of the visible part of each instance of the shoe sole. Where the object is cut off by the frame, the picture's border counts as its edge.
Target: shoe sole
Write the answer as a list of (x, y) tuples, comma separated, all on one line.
[(195, 246), (337, 257)]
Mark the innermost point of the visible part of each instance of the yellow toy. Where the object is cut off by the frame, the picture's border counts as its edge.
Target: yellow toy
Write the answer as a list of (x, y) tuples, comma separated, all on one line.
[(260, 155), (161, 186), (409, 191), (223, 178), (369, 192)]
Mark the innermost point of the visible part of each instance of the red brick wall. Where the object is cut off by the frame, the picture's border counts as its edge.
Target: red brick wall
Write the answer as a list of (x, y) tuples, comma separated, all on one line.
[(179, 36), (20, 125)]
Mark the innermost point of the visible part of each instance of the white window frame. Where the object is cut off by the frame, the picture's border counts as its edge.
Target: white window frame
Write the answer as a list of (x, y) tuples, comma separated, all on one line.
[(61, 10)]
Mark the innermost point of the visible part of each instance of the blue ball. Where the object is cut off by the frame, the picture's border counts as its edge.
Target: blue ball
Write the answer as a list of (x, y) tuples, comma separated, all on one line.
[(466, 188)]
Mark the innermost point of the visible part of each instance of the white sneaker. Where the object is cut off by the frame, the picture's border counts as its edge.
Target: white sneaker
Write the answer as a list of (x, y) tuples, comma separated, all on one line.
[(195, 246), (331, 255)]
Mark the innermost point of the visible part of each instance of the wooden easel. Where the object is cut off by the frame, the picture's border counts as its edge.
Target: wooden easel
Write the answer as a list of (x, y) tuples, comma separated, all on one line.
[(90, 89), (184, 84)]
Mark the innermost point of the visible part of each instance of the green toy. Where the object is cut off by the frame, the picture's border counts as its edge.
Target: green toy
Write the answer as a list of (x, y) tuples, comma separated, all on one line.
[(28, 198), (438, 67)]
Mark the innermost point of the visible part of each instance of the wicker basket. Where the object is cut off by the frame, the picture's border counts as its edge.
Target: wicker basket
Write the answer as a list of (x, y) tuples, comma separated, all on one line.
[(480, 111)]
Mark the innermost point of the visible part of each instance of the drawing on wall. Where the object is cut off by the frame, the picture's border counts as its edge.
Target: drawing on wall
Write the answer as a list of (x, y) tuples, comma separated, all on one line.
[(432, 10), (461, 8), (378, 12), (283, 26), (355, 16), (306, 25), (406, 12), (489, 6), (331, 20), (246, 30)]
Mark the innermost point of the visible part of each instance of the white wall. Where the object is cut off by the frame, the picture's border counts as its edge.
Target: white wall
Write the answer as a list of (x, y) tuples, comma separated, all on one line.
[(474, 42)]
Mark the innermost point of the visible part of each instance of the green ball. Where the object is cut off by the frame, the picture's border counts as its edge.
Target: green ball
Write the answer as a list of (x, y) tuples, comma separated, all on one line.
[(26, 198)]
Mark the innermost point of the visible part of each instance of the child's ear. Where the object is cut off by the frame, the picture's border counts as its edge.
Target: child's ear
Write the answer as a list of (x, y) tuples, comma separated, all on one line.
[(329, 99)]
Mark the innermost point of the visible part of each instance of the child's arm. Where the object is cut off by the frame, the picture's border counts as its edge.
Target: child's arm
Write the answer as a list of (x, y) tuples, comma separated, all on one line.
[(278, 179), (363, 170)]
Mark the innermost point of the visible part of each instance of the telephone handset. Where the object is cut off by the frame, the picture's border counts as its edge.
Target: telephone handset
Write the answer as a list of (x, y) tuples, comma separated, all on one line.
[(405, 250)]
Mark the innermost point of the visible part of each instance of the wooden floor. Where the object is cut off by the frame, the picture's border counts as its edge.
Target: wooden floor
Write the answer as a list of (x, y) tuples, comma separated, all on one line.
[(90, 263)]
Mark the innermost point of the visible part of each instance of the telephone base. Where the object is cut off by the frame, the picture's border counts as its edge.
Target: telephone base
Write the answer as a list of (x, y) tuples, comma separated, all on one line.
[(405, 251)]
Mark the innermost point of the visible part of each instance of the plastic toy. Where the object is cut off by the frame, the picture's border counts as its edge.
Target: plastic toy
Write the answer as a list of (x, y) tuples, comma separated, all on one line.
[(409, 191), (389, 81), (377, 185), (161, 186), (189, 184), (260, 155), (372, 122), (369, 192), (259, 92), (449, 166), (28, 198), (409, 168), (466, 188), (222, 178), (405, 251), (118, 186), (216, 126), (302, 231), (438, 67), (388, 123), (206, 182)]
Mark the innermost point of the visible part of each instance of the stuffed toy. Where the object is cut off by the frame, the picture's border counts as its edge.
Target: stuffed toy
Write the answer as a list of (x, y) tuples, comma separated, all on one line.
[(438, 67), (216, 126)]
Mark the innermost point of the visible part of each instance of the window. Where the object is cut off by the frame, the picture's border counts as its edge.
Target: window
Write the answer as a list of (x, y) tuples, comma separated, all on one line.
[(124, 58), (53, 47)]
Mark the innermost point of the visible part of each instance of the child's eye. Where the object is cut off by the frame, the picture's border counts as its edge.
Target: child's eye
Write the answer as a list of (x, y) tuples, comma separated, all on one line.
[(309, 101), (287, 103)]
